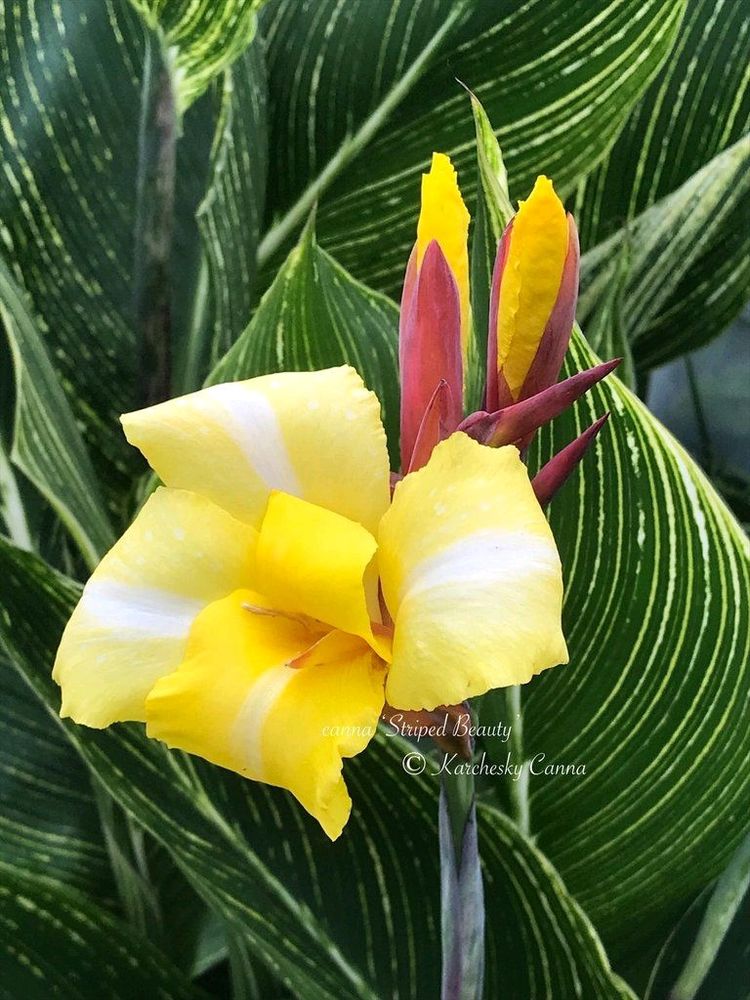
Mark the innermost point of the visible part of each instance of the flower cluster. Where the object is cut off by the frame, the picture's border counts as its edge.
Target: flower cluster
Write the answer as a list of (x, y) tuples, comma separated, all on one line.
[(275, 594)]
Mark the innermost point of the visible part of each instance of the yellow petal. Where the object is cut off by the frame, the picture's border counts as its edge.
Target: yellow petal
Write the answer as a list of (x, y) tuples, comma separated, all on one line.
[(316, 435), (471, 576), (530, 280), (445, 218), (131, 625), (312, 561), (236, 702)]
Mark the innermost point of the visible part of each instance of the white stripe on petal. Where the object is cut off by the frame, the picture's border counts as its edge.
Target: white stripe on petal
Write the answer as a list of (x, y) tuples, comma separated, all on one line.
[(124, 607), (482, 559), (252, 423), (247, 732)]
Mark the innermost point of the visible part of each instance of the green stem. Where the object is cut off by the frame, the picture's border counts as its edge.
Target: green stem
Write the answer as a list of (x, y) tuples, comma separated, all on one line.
[(459, 797), (519, 789), (354, 144), (192, 375), (154, 221), (722, 907), (461, 888)]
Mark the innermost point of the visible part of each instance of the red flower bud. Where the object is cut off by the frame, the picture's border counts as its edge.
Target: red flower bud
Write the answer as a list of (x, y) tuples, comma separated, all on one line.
[(429, 346)]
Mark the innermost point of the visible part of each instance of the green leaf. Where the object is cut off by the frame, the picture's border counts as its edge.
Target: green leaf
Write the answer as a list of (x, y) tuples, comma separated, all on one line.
[(205, 37), (697, 107), (653, 698), (698, 399), (51, 821), (651, 703), (55, 942), (729, 974), (557, 80), (493, 177), (359, 918), (648, 260), (315, 316), (723, 905), (69, 146), (48, 818), (47, 445), (230, 214), (14, 520)]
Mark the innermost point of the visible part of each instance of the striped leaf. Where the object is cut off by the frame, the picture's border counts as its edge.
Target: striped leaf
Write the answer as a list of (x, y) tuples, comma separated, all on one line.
[(656, 617), (315, 315), (643, 266), (68, 144), (656, 691), (205, 37), (47, 445), (731, 965), (697, 107), (55, 943), (374, 91), (48, 818), (69, 147), (51, 823), (230, 214), (359, 918)]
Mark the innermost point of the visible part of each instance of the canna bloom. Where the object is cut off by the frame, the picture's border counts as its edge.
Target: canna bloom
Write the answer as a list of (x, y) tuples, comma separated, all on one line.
[(271, 596), (533, 299)]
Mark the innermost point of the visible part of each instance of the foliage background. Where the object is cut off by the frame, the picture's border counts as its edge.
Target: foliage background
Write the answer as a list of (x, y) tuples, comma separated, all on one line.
[(134, 872)]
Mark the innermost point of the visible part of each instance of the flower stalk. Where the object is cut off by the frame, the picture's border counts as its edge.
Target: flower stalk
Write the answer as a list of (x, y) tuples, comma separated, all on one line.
[(519, 790), (461, 889)]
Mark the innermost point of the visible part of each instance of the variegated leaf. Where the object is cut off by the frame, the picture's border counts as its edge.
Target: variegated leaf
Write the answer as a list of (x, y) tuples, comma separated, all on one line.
[(696, 108), (374, 91)]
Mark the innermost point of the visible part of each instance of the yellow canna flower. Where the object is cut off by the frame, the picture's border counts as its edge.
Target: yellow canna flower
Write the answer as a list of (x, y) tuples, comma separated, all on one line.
[(240, 615), (445, 218)]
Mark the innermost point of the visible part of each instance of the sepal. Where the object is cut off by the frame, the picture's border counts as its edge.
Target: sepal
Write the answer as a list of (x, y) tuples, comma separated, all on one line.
[(516, 424), (429, 345), (553, 475)]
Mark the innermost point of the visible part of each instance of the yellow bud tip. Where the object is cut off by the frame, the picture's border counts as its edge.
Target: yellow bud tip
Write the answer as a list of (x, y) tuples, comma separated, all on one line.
[(542, 202), (531, 280), (445, 218)]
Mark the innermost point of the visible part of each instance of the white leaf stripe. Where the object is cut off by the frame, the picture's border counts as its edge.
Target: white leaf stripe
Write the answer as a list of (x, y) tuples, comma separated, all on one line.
[(597, 62), (661, 245), (48, 820), (698, 106), (47, 445), (55, 942), (657, 687)]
